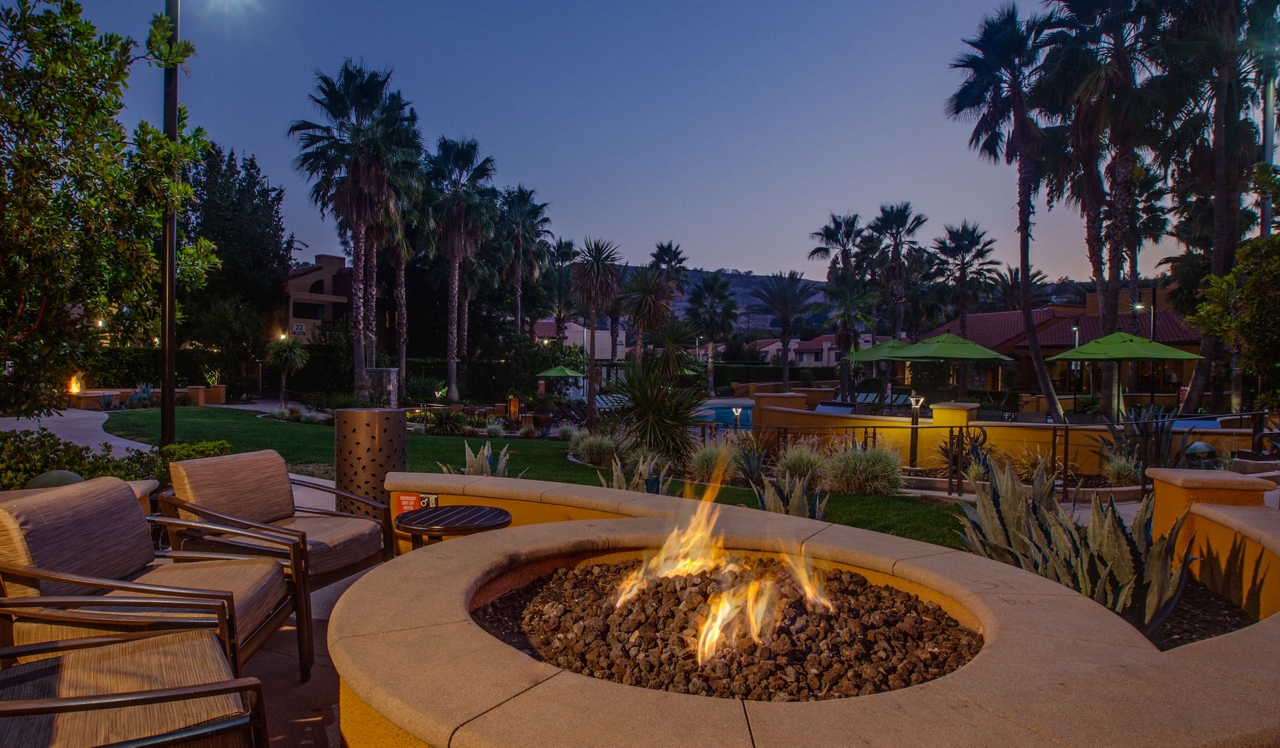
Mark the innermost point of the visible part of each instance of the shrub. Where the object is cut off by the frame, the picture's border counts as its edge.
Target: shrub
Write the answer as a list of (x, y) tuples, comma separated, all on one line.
[(656, 415), (528, 432), (575, 442), (493, 431), (1128, 570), (445, 422), (868, 472), (26, 454), (713, 455), (1120, 469), (597, 449), (790, 496), (800, 461), (482, 462), (311, 417), (566, 433)]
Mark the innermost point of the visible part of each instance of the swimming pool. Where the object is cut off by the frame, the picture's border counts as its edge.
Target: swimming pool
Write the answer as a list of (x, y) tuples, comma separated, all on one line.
[(724, 414)]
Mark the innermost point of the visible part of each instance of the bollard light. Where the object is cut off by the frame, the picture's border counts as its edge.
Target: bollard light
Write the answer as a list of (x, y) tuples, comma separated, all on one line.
[(737, 417), (916, 402)]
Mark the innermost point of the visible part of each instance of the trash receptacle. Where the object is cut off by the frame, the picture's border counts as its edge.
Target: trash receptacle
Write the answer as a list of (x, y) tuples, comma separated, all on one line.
[(368, 444)]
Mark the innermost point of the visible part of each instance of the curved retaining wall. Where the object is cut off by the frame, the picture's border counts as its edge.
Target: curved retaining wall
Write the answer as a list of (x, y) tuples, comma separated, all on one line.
[(1056, 668)]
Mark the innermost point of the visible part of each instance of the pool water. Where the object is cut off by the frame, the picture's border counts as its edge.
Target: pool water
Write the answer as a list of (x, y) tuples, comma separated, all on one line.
[(724, 415)]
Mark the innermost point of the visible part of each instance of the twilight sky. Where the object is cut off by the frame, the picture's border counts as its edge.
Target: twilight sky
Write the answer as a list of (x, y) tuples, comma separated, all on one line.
[(732, 128)]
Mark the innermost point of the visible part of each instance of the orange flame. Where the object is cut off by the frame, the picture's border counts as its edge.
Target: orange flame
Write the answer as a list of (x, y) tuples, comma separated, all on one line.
[(750, 604), (75, 384)]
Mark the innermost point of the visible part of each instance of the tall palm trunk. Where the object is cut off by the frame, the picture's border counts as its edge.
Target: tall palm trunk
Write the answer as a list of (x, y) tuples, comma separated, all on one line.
[(964, 331), (591, 374), (899, 294), (562, 328), (451, 330), (517, 282), (1026, 181), (402, 323), (357, 314), (637, 348), (1209, 370), (371, 304), (711, 368), (786, 356), (1091, 207)]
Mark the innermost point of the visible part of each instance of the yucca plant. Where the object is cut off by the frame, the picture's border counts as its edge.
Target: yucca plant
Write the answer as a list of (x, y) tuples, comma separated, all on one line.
[(790, 495), (1122, 568), (647, 478), (482, 462), (447, 422)]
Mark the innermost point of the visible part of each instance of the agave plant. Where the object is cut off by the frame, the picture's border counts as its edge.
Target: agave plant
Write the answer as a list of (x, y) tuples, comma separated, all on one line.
[(1145, 436), (1122, 568), (482, 462), (445, 422), (646, 479), (790, 495)]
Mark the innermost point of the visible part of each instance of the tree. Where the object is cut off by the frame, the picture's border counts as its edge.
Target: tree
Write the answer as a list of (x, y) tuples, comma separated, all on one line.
[(558, 280), (837, 243), (966, 258), (463, 211), (80, 201), (714, 310), (668, 259), (478, 272), (288, 355), (897, 226), (784, 296), (847, 300), (365, 133), (595, 281), (1005, 291), (647, 299), (999, 71), (524, 224)]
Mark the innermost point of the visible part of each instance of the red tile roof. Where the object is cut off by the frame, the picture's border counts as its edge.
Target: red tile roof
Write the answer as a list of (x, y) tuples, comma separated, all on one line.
[(764, 342), (545, 328), (992, 329), (1171, 329), (816, 343), (299, 272)]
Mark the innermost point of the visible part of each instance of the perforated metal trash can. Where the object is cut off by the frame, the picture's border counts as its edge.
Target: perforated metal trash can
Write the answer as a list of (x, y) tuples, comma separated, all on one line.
[(368, 444)]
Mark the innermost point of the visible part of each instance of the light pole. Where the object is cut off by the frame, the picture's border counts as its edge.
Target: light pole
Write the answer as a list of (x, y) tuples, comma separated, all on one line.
[(1151, 308), (169, 254), (916, 402), (1268, 118), (1075, 366)]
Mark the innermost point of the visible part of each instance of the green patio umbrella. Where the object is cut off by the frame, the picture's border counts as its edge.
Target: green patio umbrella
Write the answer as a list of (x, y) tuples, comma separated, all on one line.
[(1121, 346), (946, 347), (877, 352), (561, 371)]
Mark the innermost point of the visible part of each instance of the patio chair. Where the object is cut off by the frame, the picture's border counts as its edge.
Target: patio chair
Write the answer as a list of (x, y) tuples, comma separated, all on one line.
[(253, 491), (172, 689), (92, 538)]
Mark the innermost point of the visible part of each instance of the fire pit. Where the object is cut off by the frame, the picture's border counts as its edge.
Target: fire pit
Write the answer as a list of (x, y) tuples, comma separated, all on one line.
[(1054, 667), (693, 618)]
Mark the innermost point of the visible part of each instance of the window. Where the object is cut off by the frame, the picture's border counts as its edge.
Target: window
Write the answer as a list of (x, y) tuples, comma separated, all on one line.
[(304, 310), (317, 287)]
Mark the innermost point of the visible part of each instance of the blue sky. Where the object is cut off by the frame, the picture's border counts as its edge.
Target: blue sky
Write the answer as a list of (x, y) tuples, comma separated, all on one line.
[(733, 129)]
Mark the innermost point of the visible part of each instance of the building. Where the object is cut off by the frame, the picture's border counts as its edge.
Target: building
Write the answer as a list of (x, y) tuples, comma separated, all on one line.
[(318, 294), (579, 335)]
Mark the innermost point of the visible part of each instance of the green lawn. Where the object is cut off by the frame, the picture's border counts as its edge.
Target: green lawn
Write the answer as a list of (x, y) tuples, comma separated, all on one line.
[(311, 446)]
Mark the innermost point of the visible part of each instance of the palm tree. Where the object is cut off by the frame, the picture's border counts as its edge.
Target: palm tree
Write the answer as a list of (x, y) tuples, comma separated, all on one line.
[(478, 272), (714, 310), (784, 296), (966, 257), (1006, 290), (999, 70), (848, 298), (464, 218), (595, 281), (675, 338), (647, 298), (524, 224), (837, 242), (558, 280), (897, 226), (288, 355), (348, 156), (668, 258)]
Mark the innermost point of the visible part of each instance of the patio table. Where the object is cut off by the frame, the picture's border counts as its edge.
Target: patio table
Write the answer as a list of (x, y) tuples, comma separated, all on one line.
[(436, 522)]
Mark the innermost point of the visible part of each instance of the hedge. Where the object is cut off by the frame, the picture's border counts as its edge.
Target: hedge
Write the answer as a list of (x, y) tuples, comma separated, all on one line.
[(128, 367), (728, 373), (26, 454)]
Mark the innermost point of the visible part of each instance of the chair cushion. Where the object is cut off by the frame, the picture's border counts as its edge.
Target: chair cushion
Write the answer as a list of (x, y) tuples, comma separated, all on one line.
[(95, 528), (252, 486), (172, 661), (257, 585), (332, 542)]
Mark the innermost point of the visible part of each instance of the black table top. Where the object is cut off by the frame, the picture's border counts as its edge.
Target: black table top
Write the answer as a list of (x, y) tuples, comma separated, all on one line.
[(453, 520)]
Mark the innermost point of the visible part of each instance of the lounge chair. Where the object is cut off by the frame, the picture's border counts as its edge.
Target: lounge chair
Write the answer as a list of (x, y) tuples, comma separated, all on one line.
[(253, 491), (92, 538), (148, 688)]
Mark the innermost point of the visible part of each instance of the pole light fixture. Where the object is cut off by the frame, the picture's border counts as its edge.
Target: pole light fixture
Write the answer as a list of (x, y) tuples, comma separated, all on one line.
[(737, 418), (916, 402)]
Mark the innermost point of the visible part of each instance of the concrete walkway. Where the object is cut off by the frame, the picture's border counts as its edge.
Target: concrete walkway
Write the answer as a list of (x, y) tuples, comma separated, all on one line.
[(83, 427)]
